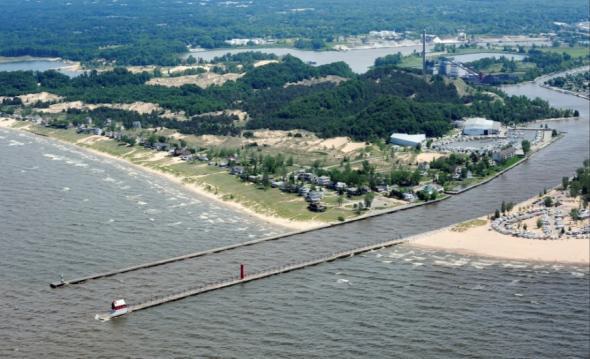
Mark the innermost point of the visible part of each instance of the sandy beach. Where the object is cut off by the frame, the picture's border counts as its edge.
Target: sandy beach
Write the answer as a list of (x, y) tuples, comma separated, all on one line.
[(197, 190), (476, 237)]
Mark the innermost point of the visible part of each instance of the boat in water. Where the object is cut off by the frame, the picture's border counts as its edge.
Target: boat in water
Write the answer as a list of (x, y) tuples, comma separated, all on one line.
[(118, 308)]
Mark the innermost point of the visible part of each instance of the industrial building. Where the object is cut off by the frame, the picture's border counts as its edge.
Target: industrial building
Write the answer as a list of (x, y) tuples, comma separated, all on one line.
[(403, 139), (479, 126)]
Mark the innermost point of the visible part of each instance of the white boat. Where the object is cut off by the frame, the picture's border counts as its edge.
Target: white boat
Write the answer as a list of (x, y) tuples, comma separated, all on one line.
[(118, 308)]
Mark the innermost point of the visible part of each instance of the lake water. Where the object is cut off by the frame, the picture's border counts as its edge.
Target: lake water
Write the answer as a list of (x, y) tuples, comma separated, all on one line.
[(358, 60), (64, 211), (37, 65)]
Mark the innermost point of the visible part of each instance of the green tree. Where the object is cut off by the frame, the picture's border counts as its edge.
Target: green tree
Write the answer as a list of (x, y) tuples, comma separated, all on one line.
[(526, 146), (565, 182), (548, 201), (369, 197)]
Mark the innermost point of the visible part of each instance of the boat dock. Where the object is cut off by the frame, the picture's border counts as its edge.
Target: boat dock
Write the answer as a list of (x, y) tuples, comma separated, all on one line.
[(153, 302)]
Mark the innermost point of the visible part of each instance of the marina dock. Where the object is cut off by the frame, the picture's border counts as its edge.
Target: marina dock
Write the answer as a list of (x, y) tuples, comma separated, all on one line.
[(153, 302)]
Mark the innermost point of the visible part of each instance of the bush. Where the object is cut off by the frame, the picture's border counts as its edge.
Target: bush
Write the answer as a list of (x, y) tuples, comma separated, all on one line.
[(341, 218), (548, 201)]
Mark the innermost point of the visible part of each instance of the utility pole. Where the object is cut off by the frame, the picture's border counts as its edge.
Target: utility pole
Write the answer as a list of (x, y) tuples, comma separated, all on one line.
[(424, 52)]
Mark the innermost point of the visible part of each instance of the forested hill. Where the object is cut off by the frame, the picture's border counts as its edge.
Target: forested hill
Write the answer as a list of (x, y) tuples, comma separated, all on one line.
[(141, 32), (364, 107), (385, 100)]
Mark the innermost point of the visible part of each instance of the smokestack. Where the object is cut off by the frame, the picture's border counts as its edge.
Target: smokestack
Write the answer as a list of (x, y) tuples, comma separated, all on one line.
[(424, 52)]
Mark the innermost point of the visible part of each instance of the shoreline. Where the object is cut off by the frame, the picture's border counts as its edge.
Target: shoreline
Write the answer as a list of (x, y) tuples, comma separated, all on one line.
[(476, 238), (521, 161), (285, 223), (296, 227)]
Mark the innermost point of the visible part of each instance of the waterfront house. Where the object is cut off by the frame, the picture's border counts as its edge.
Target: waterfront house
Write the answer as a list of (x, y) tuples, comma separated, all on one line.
[(410, 197), (275, 184), (314, 196), (303, 191), (504, 154), (161, 146), (352, 191), (322, 181), (317, 207), (237, 170), (340, 186)]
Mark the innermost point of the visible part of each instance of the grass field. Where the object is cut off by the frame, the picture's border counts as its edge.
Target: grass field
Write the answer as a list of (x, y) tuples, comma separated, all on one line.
[(573, 51)]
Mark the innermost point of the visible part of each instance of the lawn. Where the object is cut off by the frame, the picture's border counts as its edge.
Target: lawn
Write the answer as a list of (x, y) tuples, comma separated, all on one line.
[(577, 51)]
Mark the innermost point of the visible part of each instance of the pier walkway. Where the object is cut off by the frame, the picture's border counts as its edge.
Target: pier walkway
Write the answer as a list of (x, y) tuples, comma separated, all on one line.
[(258, 275), (80, 280), (175, 259)]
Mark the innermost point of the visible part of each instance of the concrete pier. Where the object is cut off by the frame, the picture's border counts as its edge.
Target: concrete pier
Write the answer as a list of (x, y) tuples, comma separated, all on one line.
[(258, 275)]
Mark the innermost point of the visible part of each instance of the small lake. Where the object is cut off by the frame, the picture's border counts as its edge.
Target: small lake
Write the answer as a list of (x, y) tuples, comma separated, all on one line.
[(359, 60), (486, 55), (38, 65)]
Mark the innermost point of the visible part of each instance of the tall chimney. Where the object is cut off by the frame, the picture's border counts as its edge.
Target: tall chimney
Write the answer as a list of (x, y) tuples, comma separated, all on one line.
[(424, 52)]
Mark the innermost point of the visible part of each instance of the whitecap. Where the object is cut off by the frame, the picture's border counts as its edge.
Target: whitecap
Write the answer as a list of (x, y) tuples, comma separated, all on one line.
[(174, 224), (379, 255), (53, 157), (85, 200), (578, 274), (417, 264), (15, 143), (65, 189), (342, 280), (109, 179), (387, 262), (110, 220), (457, 263), (151, 219), (141, 203), (518, 294), (152, 211), (515, 265)]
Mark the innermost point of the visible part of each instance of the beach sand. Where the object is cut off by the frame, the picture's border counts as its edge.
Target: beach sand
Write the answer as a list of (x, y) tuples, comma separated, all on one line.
[(480, 239), (485, 242)]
